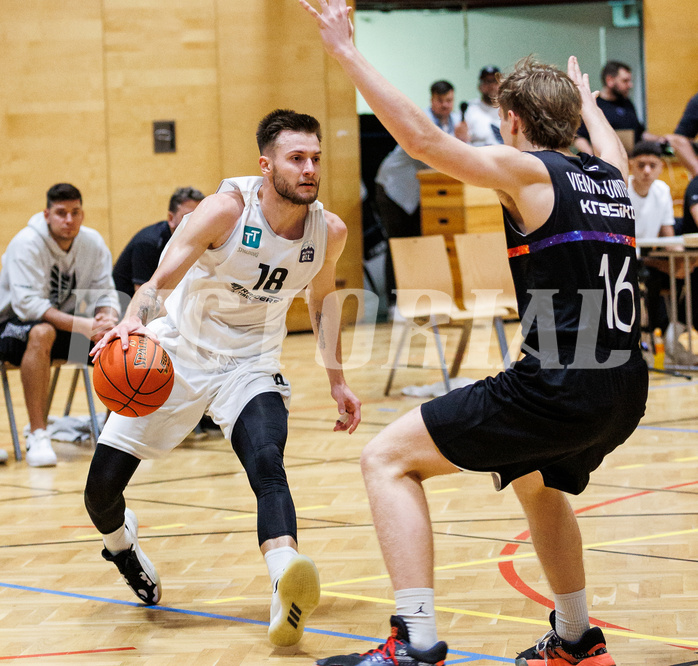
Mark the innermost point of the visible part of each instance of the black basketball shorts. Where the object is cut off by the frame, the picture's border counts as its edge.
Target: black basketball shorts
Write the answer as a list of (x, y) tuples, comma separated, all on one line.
[(14, 335), (559, 422)]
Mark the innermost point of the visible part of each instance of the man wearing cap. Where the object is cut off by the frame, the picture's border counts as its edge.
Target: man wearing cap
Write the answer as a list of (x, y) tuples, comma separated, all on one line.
[(482, 116)]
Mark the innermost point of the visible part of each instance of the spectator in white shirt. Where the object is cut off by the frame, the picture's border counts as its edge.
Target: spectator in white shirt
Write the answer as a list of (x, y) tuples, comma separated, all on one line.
[(654, 218), (482, 116)]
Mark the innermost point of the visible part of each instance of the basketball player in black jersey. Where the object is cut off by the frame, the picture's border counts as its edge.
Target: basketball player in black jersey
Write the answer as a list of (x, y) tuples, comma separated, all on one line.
[(580, 389)]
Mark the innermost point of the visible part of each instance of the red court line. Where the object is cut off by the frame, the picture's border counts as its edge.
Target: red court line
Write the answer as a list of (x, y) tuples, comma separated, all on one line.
[(512, 577), (64, 654)]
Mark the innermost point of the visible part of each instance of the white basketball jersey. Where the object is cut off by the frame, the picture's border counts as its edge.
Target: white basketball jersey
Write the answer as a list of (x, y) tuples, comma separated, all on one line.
[(234, 299)]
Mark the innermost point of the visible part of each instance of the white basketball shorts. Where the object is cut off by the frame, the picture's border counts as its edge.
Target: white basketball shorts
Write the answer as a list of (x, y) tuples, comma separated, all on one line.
[(204, 383)]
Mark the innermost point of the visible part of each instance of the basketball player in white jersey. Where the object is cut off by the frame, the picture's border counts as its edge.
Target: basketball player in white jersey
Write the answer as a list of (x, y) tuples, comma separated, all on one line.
[(231, 270)]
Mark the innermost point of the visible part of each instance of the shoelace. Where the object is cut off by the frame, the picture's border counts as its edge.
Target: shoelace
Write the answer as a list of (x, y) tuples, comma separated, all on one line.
[(543, 644), (387, 649)]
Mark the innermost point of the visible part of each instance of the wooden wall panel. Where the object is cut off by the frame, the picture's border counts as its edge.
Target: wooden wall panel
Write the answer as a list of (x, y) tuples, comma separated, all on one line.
[(671, 60), (160, 61), (83, 81), (52, 111), (271, 57)]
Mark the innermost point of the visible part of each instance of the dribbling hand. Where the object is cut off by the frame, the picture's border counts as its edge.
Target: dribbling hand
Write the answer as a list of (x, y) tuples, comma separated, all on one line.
[(132, 325)]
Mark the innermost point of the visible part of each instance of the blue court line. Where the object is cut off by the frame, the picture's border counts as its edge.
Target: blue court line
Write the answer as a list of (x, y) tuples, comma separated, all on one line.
[(666, 429), (471, 656), (683, 384)]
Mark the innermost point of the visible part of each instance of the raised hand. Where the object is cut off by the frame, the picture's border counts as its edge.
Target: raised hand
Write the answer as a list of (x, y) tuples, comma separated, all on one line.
[(581, 81), (333, 19)]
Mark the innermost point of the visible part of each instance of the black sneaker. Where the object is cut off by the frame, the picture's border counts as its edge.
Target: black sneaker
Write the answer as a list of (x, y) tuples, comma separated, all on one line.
[(551, 650), (396, 651), (137, 570)]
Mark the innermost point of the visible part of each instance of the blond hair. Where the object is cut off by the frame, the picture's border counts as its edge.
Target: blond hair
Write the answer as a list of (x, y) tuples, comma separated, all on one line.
[(546, 100)]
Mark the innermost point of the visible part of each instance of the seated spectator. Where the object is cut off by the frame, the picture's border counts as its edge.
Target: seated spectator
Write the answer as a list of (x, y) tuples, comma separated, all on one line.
[(614, 101), (482, 116), (139, 259), (397, 186), (685, 132), (52, 270), (654, 217), (690, 208)]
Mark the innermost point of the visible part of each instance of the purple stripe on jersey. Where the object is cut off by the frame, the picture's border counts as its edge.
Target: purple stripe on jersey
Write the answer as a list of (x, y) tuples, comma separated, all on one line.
[(570, 237)]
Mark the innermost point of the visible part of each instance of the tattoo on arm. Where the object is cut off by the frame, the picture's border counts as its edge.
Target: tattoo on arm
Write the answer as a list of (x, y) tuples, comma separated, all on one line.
[(149, 305), (320, 330)]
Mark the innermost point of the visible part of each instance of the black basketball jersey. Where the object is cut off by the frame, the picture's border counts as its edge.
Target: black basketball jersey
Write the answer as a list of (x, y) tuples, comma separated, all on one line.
[(575, 276)]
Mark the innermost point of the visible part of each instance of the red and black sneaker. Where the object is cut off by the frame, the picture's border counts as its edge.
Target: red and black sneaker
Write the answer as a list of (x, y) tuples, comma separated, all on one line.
[(551, 650), (396, 651)]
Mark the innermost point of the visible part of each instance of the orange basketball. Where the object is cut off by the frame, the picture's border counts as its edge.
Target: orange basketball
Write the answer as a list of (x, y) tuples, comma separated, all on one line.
[(134, 382)]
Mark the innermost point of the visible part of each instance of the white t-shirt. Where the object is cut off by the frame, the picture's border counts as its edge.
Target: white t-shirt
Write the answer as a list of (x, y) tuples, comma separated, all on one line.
[(483, 123), (653, 211)]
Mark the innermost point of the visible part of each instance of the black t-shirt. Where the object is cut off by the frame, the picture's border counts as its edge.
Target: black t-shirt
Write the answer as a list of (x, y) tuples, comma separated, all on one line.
[(582, 260), (139, 259), (690, 224), (688, 125), (620, 114)]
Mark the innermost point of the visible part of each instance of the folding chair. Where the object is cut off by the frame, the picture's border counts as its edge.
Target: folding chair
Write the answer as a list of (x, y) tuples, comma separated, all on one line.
[(425, 292), (483, 265), (80, 369)]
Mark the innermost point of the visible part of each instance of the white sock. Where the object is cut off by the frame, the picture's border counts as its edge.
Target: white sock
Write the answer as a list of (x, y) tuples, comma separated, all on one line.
[(117, 540), (277, 560), (416, 607), (571, 615)]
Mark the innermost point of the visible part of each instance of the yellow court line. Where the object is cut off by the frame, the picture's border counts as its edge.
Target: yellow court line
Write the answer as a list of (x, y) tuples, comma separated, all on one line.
[(631, 466), (242, 515), (641, 538), (686, 459), (522, 620), (459, 611), (224, 601), (89, 537), (519, 556), (167, 527), (444, 490)]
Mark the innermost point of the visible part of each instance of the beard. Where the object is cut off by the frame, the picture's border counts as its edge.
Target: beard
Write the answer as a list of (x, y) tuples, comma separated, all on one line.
[(619, 94), (285, 190)]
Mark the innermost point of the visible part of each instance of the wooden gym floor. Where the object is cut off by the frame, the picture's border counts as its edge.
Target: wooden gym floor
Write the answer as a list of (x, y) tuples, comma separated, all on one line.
[(61, 603)]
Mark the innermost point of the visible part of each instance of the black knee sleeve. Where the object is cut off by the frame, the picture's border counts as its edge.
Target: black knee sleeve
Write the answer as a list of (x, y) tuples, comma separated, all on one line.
[(109, 474), (258, 439)]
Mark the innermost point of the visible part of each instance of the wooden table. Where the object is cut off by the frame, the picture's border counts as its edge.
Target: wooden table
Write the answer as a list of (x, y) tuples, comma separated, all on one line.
[(689, 251)]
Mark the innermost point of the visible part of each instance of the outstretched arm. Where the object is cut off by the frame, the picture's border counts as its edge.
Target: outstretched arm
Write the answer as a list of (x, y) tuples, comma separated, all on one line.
[(604, 139), (325, 315), (497, 167)]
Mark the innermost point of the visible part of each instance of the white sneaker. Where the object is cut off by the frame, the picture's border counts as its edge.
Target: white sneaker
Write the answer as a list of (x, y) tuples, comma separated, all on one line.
[(40, 453), (3, 456), (296, 595)]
